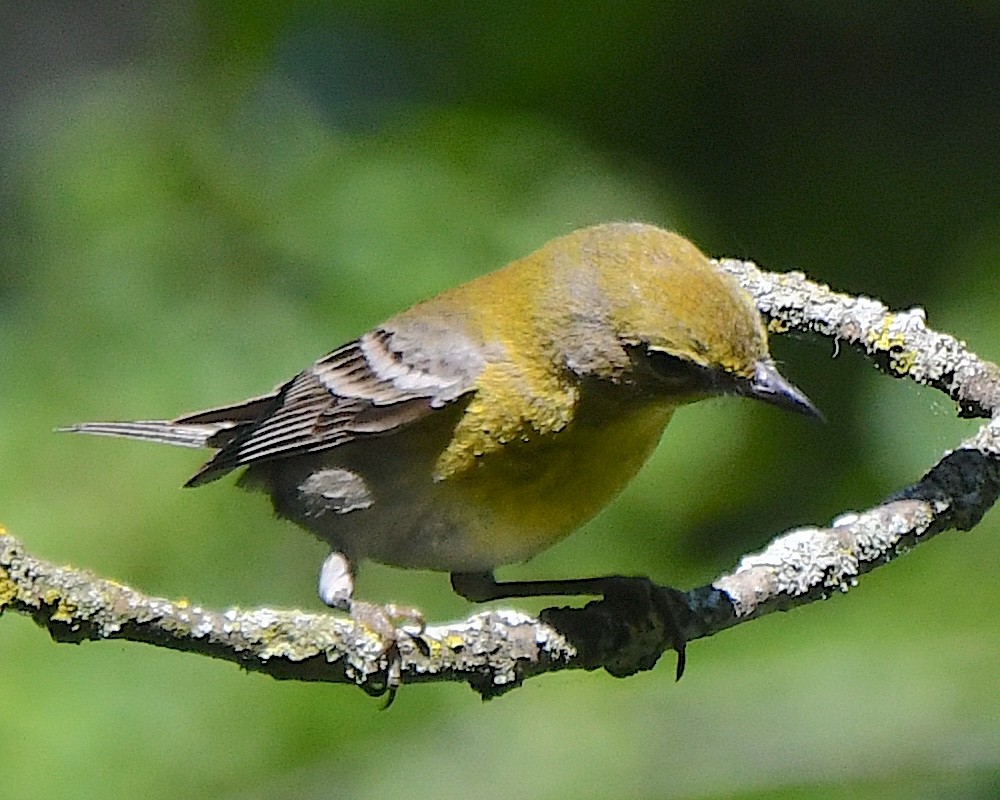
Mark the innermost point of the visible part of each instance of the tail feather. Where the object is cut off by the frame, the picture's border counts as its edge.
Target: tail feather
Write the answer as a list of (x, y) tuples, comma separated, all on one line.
[(246, 411), (160, 431)]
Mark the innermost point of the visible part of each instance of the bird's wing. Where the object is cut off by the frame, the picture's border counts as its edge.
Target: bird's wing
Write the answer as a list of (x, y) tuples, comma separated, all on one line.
[(375, 384)]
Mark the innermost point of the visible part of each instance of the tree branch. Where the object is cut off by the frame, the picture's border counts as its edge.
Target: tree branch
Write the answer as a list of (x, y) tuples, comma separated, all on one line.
[(495, 651)]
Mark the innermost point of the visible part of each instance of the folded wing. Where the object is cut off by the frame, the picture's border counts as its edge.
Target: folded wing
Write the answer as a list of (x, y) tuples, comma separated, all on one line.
[(372, 385)]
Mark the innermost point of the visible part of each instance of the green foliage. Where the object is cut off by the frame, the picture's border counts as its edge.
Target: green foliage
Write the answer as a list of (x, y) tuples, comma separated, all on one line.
[(257, 186)]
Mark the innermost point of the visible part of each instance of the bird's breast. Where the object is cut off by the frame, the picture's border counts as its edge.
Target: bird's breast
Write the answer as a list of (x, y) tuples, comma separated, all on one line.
[(524, 497)]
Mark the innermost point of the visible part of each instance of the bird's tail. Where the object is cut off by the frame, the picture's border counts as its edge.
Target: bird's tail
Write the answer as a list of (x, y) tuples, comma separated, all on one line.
[(214, 428), (160, 431)]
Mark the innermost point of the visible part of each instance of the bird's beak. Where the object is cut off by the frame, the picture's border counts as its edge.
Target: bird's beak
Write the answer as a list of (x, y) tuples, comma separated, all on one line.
[(772, 387)]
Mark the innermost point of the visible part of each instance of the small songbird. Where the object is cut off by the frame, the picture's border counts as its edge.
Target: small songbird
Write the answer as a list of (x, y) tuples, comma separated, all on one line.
[(482, 426)]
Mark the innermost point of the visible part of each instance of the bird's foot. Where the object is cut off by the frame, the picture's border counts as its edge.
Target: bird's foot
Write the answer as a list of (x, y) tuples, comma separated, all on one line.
[(653, 613), (640, 618), (389, 623)]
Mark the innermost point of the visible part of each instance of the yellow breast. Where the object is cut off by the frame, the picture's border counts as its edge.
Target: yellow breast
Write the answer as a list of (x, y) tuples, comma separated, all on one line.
[(522, 498)]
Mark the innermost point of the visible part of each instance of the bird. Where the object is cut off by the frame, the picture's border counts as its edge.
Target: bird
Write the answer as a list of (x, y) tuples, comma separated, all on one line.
[(480, 427)]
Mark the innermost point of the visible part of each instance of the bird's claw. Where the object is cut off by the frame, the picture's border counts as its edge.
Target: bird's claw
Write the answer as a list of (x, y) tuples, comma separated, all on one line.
[(643, 596), (388, 622)]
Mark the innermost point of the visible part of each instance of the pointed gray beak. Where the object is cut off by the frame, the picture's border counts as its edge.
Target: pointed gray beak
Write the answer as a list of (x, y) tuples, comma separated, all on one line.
[(772, 387)]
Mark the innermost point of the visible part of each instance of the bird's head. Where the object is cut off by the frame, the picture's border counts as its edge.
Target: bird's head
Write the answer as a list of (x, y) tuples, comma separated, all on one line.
[(686, 326)]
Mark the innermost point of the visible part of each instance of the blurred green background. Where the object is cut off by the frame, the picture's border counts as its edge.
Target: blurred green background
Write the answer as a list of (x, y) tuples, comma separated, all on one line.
[(197, 199)]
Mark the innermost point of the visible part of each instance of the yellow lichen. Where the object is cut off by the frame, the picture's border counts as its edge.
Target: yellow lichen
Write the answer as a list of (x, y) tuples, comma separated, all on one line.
[(64, 612), (902, 362), (8, 589), (778, 326), (885, 339), (50, 596)]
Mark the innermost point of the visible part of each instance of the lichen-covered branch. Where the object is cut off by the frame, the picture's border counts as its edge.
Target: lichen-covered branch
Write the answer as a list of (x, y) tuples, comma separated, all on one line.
[(628, 630), (488, 650), (899, 342)]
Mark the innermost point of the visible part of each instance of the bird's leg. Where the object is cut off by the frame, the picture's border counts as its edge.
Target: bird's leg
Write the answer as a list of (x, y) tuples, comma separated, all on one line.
[(336, 586), (479, 587), (628, 592)]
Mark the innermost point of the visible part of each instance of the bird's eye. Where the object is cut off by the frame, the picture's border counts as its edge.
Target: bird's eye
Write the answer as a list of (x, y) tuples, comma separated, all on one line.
[(679, 374)]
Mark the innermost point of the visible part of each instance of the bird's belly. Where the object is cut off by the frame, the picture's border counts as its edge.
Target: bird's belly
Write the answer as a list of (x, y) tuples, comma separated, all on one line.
[(508, 506), (511, 505)]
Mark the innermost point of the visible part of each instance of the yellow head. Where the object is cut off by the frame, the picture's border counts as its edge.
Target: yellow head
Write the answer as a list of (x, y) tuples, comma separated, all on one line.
[(594, 301), (676, 314), (654, 288)]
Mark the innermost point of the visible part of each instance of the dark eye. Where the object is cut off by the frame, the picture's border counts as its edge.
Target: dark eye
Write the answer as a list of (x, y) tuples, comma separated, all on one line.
[(679, 374)]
